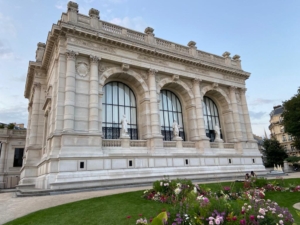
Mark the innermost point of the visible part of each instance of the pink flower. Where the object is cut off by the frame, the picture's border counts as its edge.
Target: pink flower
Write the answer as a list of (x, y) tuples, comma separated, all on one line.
[(252, 217)]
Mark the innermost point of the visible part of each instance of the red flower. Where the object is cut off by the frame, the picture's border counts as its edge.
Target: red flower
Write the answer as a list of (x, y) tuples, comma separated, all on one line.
[(140, 215), (252, 217), (243, 212), (128, 217), (234, 218), (150, 220)]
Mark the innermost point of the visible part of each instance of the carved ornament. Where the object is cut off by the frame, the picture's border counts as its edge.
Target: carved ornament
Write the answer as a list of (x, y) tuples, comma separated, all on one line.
[(151, 59), (233, 78), (236, 57), (197, 70), (94, 13), (149, 30), (192, 44), (215, 85), (152, 72), (72, 6), (71, 55), (175, 77), (94, 59), (125, 67), (82, 69), (226, 54)]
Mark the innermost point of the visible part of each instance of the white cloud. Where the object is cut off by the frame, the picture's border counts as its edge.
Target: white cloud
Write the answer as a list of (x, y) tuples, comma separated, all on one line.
[(6, 53), (136, 23), (7, 27), (13, 114)]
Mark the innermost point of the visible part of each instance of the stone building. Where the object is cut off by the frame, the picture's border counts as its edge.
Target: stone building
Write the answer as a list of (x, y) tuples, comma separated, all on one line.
[(185, 110), (277, 131), (12, 144)]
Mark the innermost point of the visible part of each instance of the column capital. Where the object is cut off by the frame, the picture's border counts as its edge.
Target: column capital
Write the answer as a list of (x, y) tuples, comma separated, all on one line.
[(232, 88), (197, 81), (243, 90), (152, 71), (71, 55), (3, 141), (94, 59), (36, 85)]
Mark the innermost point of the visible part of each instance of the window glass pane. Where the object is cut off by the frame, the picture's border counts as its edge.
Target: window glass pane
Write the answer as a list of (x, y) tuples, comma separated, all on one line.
[(174, 104), (169, 99), (215, 110), (127, 94), (108, 94), (121, 94), (210, 123), (204, 108), (161, 116), (160, 102), (115, 114), (205, 122), (180, 119), (103, 113), (171, 119), (166, 117), (127, 113), (121, 112), (109, 114), (132, 99), (165, 102), (133, 116), (115, 93)]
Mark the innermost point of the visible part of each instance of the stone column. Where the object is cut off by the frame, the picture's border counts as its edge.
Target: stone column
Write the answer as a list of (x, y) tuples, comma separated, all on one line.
[(2, 163), (94, 96), (154, 111), (35, 114), (2, 157), (70, 92), (100, 94), (199, 110), (236, 119), (28, 123), (45, 132), (246, 115)]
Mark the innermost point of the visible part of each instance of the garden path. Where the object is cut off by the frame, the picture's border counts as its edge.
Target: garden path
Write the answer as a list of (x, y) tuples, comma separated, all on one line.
[(12, 208)]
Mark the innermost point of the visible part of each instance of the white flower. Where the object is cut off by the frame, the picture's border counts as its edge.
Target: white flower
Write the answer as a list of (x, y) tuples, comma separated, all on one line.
[(262, 211), (280, 215), (178, 184), (177, 191), (249, 206), (280, 221), (245, 204), (161, 183), (195, 190)]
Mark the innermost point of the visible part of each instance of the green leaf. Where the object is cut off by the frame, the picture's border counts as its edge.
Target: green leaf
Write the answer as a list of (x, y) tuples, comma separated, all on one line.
[(159, 220)]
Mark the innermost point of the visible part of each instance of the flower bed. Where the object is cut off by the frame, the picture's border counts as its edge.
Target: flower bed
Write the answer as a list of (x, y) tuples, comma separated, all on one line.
[(240, 203)]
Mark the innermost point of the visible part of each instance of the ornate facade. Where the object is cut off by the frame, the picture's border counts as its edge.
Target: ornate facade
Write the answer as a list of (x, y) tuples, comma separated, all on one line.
[(90, 73)]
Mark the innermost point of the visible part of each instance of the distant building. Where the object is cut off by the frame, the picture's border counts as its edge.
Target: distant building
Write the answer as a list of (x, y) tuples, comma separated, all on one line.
[(12, 144), (277, 131), (260, 142)]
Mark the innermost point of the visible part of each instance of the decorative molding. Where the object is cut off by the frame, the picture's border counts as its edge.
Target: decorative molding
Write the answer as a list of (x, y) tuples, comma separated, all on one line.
[(192, 44), (236, 57), (71, 55), (175, 77), (94, 13), (215, 85), (94, 59), (92, 45), (72, 7), (149, 30), (82, 69), (152, 72), (152, 59), (233, 78), (226, 54), (197, 70), (125, 67)]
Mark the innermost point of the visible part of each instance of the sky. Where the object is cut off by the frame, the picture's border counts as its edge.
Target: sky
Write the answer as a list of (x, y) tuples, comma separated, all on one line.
[(265, 34)]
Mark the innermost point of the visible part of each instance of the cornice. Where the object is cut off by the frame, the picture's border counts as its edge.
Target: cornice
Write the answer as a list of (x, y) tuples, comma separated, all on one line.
[(116, 40)]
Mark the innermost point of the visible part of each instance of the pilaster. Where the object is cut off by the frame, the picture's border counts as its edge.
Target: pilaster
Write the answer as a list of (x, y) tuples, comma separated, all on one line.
[(34, 123), (157, 138), (94, 96), (246, 115), (70, 87), (236, 119)]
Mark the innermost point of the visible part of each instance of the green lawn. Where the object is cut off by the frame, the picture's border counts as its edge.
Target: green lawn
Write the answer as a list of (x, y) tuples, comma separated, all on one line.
[(110, 210)]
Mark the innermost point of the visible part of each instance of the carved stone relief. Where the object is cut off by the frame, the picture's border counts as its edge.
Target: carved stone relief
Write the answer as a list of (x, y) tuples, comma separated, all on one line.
[(92, 45), (82, 69), (196, 70), (233, 78), (152, 59)]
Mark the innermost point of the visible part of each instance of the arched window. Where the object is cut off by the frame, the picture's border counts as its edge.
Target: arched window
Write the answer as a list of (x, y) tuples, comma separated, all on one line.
[(118, 100), (170, 110), (211, 117)]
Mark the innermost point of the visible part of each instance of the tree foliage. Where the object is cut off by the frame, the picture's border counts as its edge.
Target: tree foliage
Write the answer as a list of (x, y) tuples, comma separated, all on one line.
[(275, 153), (291, 118), (10, 126)]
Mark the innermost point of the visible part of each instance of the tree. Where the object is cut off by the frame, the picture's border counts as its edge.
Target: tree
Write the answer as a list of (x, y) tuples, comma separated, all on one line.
[(275, 153), (10, 126), (291, 118)]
